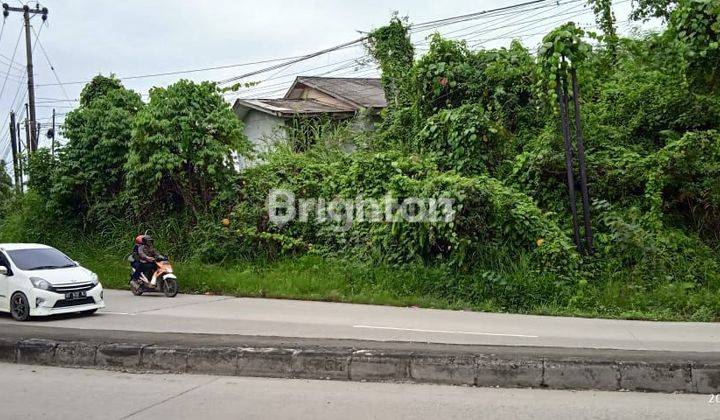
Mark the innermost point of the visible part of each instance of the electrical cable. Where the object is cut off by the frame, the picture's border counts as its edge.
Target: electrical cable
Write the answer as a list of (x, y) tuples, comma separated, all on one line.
[(177, 72), (12, 60), (47, 58)]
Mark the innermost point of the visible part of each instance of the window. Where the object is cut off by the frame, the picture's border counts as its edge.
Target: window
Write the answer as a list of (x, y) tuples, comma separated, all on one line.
[(40, 259)]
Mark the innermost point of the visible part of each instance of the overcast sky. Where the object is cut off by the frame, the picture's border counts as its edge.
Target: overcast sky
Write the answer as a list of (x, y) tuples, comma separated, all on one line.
[(135, 37)]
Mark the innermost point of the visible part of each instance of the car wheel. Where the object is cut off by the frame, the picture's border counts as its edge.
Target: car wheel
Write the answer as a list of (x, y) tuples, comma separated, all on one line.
[(19, 307)]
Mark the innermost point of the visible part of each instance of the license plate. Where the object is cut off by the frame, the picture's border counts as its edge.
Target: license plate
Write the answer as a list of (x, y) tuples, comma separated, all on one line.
[(75, 295)]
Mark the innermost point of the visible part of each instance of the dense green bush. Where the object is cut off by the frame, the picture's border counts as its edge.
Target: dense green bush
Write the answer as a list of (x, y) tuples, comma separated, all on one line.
[(488, 214), (180, 155), (464, 139)]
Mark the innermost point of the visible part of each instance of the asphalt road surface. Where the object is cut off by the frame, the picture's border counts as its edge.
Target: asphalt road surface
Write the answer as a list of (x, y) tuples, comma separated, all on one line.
[(268, 317), (37, 392)]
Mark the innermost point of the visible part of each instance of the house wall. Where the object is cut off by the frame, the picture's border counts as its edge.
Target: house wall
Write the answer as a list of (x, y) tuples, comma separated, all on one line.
[(263, 131)]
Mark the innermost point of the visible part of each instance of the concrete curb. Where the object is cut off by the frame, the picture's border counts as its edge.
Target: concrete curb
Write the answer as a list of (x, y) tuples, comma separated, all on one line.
[(469, 367)]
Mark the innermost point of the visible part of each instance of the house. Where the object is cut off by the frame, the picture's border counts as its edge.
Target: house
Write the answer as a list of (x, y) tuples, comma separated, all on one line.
[(336, 98)]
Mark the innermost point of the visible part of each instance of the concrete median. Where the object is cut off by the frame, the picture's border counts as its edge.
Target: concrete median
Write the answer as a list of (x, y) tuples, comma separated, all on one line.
[(468, 365)]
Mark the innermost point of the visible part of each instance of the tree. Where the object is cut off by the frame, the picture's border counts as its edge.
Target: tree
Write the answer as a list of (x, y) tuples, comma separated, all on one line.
[(6, 189), (181, 150), (41, 171), (99, 87), (99, 131)]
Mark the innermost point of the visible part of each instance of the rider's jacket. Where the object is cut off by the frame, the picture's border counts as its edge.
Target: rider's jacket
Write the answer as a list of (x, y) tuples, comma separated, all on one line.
[(146, 253)]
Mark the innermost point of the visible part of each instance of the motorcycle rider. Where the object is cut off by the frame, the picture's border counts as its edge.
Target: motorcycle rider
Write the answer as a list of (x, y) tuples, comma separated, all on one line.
[(147, 254), (135, 259)]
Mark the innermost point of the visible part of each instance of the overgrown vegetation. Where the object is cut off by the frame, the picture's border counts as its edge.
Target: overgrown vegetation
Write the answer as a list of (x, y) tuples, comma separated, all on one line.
[(479, 127)]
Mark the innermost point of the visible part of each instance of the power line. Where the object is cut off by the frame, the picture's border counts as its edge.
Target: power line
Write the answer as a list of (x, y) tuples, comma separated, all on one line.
[(6, 60), (12, 60), (552, 4), (539, 17), (471, 16), (177, 72), (523, 23), (20, 85), (56, 100), (352, 62), (47, 58), (28, 13), (430, 24), (573, 12), (503, 16), (292, 60), (297, 60)]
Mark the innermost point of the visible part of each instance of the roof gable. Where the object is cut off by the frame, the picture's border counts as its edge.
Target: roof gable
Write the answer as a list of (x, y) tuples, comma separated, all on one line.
[(357, 92)]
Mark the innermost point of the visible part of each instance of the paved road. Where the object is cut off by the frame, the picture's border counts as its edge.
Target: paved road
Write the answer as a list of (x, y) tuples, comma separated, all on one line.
[(267, 317), (37, 392)]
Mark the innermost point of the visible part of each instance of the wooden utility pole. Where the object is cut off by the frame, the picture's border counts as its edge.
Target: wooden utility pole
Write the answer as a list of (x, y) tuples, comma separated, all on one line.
[(27, 11), (14, 148)]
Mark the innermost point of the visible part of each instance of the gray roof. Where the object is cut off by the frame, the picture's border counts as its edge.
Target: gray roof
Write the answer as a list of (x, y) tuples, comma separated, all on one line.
[(361, 92), (289, 107)]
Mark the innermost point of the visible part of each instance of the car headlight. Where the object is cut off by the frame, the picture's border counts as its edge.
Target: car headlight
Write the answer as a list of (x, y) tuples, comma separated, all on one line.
[(94, 279), (40, 283)]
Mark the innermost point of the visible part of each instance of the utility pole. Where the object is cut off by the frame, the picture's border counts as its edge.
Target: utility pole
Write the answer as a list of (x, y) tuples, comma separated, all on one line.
[(28, 141), (52, 139), (14, 147), (27, 11), (20, 160)]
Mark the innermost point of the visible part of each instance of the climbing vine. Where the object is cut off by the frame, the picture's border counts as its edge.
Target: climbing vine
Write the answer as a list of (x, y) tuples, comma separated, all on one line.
[(562, 50), (697, 24), (391, 47), (605, 19)]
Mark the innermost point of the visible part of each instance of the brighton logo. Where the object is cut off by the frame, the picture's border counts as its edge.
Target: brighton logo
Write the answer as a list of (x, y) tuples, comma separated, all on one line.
[(283, 207)]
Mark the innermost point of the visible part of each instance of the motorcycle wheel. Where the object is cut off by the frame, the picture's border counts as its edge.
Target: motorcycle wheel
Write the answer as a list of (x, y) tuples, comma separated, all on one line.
[(170, 287), (135, 288)]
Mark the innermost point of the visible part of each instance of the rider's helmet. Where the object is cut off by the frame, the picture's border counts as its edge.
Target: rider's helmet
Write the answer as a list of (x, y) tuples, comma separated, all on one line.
[(139, 240)]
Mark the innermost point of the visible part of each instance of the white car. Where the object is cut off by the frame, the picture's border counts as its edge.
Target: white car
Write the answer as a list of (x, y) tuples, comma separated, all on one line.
[(38, 280)]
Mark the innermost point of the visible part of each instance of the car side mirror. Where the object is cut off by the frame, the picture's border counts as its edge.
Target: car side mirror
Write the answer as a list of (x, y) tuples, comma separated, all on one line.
[(3, 270)]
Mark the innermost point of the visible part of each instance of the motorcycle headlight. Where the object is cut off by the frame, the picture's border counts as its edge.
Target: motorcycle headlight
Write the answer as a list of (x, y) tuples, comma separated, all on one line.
[(40, 283), (94, 279)]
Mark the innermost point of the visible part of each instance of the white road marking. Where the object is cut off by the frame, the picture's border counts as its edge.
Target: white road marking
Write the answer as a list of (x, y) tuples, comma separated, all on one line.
[(115, 313), (375, 327)]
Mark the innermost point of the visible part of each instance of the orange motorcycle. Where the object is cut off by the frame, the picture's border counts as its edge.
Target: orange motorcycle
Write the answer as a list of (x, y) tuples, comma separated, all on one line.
[(161, 280)]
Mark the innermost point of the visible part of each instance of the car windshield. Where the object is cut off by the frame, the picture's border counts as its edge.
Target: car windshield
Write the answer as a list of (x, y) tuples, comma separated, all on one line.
[(40, 259)]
